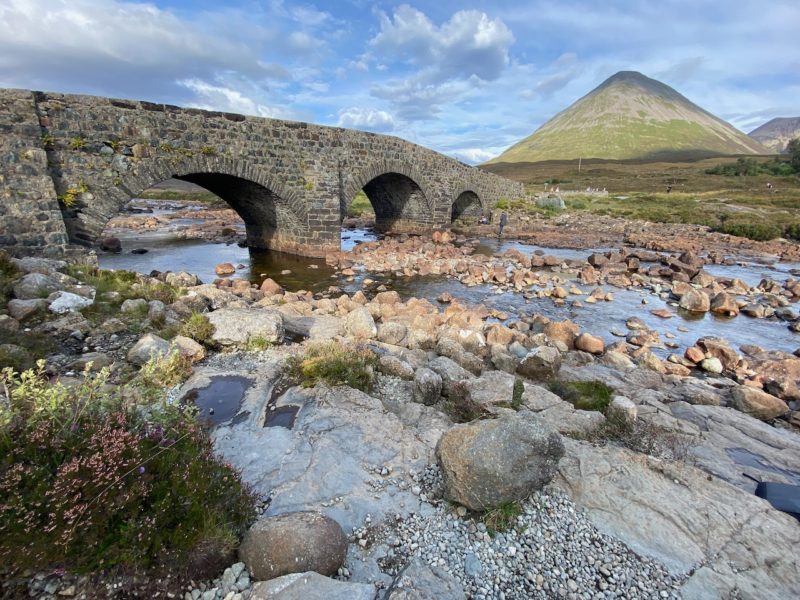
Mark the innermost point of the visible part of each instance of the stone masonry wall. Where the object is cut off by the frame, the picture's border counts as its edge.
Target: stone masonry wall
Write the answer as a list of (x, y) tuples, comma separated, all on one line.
[(290, 181)]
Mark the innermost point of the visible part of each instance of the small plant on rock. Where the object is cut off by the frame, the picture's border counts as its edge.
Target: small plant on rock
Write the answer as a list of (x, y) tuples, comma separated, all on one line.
[(335, 364), (584, 395), (199, 328), (258, 343), (77, 143), (70, 197), (502, 518), (460, 407)]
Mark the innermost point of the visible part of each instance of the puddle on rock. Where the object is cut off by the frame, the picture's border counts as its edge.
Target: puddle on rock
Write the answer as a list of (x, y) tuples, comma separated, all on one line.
[(220, 400), (282, 416), (746, 458)]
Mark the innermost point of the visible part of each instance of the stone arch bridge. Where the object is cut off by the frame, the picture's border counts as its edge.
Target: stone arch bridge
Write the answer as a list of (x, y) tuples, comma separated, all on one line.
[(70, 163)]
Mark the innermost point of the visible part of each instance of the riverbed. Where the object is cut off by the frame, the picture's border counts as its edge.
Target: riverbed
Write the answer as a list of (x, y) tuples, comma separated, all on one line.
[(167, 252)]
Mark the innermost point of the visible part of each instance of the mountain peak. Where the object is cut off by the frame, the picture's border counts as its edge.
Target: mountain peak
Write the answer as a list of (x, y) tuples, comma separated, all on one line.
[(631, 116), (776, 133)]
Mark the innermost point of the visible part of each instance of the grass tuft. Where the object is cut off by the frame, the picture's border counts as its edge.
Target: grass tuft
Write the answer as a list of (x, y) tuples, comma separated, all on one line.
[(502, 518), (584, 395), (334, 363)]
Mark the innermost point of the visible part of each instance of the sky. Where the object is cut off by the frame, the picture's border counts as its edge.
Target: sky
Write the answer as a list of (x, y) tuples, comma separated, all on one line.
[(466, 78)]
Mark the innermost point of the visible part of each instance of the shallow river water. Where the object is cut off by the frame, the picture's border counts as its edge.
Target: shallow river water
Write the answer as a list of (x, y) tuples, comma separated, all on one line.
[(166, 252)]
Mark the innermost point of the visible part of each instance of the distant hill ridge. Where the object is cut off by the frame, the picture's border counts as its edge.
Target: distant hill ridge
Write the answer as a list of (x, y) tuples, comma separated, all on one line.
[(630, 116), (777, 133)]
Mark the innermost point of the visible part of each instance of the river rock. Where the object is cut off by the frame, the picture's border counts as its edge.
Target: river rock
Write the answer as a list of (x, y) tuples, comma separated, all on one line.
[(35, 285), (188, 348), (111, 244), (695, 300), (590, 343), (719, 348), (711, 365), (450, 372), (392, 365), (133, 305), (725, 304), (393, 333), (237, 326), (270, 287), (624, 408), (757, 403), (64, 302), (35, 264), (293, 542), (419, 581), (311, 586), (181, 279), (360, 324), (562, 331), (541, 364), (427, 386), (22, 309), (149, 346), (8, 324), (488, 463), (225, 269)]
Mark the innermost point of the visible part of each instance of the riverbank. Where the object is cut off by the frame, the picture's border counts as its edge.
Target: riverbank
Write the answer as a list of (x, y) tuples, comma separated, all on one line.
[(371, 460)]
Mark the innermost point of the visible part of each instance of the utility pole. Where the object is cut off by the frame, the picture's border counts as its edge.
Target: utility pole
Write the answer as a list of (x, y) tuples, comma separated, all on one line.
[(579, 164)]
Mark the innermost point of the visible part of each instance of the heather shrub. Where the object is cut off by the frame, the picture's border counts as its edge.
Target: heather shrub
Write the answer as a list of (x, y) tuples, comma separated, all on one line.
[(89, 481)]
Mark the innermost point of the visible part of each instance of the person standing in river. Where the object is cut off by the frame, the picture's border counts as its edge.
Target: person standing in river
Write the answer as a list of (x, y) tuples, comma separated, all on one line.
[(503, 222)]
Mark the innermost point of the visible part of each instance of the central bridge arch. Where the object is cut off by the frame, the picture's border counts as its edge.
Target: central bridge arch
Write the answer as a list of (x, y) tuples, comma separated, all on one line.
[(398, 192)]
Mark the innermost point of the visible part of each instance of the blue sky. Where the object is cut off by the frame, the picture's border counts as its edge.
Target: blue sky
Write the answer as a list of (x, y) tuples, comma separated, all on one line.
[(464, 78)]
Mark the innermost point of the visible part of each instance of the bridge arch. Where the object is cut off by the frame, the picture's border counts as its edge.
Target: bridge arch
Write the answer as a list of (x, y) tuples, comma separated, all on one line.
[(398, 192), (467, 203), (272, 213)]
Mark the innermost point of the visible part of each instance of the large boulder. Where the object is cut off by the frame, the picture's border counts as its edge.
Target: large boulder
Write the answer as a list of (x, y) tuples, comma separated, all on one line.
[(488, 463), (590, 343), (542, 363), (149, 346), (418, 581), (22, 309), (293, 542), (35, 285), (310, 586), (237, 326), (360, 324), (757, 403), (695, 300), (64, 302), (451, 373), (724, 304), (427, 386)]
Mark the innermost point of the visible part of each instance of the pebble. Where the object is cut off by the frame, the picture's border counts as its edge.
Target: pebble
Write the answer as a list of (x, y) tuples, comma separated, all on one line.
[(551, 550)]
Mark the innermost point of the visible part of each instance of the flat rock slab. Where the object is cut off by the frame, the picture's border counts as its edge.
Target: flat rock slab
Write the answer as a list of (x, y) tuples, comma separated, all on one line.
[(689, 521), (311, 586), (331, 459)]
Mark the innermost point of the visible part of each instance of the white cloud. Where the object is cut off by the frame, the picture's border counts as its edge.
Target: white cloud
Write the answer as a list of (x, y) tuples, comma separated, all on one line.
[(474, 156), (366, 118), (468, 44), (219, 97)]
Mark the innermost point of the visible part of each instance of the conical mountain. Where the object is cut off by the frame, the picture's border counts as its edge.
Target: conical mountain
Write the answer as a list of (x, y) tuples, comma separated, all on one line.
[(630, 116), (777, 133)]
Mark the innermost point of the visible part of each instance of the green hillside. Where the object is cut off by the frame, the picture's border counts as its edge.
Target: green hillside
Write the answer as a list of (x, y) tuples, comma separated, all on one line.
[(630, 116)]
